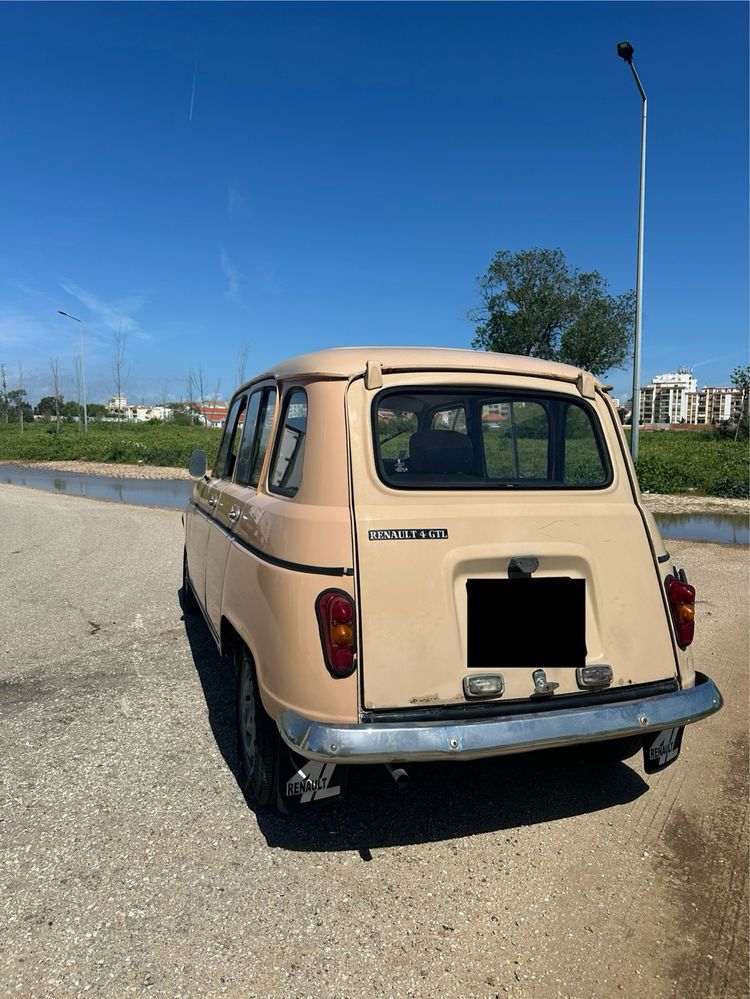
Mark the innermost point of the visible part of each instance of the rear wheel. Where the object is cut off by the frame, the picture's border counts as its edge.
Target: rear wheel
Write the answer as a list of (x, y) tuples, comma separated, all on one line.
[(187, 598), (258, 737)]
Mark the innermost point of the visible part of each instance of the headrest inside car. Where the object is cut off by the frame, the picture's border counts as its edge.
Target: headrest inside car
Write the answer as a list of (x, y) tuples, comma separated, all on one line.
[(440, 452)]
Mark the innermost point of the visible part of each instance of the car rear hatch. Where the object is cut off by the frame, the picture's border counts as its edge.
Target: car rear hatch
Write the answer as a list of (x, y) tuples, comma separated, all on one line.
[(496, 534)]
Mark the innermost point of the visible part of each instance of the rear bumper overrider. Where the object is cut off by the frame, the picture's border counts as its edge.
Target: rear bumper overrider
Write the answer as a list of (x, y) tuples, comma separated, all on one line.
[(391, 742)]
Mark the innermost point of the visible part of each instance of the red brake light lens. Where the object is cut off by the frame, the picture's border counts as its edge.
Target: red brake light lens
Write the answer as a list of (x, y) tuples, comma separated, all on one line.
[(335, 611), (682, 603)]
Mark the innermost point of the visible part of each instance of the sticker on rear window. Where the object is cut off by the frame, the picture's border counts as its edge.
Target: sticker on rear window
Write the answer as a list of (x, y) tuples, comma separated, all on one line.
[(409, 534)]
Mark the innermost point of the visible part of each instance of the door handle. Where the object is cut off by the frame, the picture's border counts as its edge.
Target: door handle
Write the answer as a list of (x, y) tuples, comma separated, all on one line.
[(234, 513), (213, 500)]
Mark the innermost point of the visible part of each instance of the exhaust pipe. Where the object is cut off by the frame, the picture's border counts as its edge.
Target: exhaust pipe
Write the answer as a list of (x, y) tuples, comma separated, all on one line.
[(399, 775)]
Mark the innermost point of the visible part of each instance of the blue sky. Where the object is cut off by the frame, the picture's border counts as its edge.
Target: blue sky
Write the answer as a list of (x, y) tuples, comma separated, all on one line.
[(348, 172)]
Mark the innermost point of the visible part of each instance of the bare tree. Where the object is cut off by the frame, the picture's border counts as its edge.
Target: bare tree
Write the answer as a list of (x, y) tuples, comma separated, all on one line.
[(199, 379), (78, 378), (4, 392), (119, 372), (55, 385), (190, 386), (241, 362), (20, 396)]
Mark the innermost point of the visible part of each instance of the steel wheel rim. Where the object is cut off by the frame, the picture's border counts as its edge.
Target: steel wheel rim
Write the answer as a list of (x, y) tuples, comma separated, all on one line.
[(247, 709)]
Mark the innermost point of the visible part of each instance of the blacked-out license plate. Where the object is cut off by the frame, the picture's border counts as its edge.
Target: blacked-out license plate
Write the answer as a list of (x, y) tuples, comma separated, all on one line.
[(536, 623)]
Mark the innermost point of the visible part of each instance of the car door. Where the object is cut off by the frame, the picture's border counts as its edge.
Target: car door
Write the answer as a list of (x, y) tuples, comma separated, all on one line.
[(244, 458), (204, 502)]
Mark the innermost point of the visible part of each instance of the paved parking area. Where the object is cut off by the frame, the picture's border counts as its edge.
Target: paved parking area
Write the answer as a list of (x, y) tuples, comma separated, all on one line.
[(131, 865)]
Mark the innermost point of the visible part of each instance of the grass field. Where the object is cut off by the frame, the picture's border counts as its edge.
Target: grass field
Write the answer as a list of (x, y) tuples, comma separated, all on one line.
[(669, 462), (127, 443)]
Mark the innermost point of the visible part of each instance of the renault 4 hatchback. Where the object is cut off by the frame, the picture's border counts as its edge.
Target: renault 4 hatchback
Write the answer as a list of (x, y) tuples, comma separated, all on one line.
[(421, 554)]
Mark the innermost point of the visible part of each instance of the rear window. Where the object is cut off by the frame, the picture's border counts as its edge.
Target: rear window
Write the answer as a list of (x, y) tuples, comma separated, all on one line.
[(471, 439)]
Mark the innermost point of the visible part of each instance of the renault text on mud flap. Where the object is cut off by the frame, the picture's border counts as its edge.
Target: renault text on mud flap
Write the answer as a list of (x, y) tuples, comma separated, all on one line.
[(313, 782)]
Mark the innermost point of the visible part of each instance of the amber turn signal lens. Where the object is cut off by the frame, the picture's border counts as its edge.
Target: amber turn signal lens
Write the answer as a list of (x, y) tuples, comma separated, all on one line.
[(684, 612), (341, 634)]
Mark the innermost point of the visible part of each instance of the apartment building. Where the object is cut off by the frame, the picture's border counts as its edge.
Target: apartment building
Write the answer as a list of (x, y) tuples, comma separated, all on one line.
[(674, 397), (665, 398), (118, 408)]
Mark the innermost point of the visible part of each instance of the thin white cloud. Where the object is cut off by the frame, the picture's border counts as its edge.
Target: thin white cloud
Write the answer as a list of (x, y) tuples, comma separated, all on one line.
[(116, 315), (238, 201), (711, 360), (234, 277)]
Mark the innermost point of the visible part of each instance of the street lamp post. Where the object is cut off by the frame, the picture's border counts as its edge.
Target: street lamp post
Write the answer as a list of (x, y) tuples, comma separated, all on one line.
[(625, 51), (83, 370)]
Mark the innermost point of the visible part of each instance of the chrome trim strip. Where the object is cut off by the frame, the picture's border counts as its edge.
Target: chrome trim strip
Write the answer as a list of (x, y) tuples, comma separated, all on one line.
[(392, 742)]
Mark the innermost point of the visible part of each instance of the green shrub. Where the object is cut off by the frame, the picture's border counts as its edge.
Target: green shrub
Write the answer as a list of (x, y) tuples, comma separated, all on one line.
[(127, 443)]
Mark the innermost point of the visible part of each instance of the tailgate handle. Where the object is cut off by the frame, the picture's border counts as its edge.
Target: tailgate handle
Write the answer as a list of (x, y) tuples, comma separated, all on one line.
[(522, 566)]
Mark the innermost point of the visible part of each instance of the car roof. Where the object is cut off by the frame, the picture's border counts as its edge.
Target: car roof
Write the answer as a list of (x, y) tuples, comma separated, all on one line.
[(347, 362)]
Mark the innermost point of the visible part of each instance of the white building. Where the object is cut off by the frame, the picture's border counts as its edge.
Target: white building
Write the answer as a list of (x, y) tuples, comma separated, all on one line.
[(674, 398), (118, 407), (665, 398)]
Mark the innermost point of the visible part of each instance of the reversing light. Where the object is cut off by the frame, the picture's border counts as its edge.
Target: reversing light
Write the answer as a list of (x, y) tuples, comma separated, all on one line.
[(335, 612), (681, 597)]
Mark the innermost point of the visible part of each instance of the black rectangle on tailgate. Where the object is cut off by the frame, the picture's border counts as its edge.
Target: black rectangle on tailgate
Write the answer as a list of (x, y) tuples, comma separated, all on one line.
[(526, 622)]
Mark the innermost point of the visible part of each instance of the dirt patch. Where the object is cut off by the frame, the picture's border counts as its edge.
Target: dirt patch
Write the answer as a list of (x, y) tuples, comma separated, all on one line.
[(708, 871), (687, 503), (107, 469)]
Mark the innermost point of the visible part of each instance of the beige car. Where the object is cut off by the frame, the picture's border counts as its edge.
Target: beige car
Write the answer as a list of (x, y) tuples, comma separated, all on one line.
[(422, 554)]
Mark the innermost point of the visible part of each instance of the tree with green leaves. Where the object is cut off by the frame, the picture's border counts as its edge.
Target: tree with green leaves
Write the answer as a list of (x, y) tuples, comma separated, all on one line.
[(48, 405), (741, 381), (533, 303), (19, 408)]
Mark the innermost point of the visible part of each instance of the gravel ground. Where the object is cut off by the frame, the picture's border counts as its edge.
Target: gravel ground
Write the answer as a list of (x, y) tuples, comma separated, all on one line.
[(131, 865)]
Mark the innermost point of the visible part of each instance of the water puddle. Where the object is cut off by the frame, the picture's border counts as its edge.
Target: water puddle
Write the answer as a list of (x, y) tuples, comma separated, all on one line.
[(171, 493), (729, 528)]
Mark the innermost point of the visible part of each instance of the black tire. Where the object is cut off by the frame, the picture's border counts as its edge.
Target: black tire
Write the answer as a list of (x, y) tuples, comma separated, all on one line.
[(613, 750), (258, 737), (188, 601)]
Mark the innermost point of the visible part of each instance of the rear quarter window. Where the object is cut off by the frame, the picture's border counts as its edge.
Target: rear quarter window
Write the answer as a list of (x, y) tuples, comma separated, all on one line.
[(289, 450), (432, 438)]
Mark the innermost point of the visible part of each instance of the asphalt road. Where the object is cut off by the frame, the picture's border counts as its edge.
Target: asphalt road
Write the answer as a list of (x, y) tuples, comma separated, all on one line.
[(131, 865)]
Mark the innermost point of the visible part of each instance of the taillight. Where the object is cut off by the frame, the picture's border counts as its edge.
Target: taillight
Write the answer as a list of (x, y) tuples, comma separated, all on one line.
[(682, 602), (335, 611)]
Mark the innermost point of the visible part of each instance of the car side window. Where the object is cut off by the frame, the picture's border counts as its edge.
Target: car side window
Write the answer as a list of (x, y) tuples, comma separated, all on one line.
[(227, 455), (247, 444), (260, 412), (265, 423), (286, 472)]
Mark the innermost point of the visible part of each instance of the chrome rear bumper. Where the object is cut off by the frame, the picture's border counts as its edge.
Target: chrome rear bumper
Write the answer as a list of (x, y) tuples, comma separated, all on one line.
[(401, 742)]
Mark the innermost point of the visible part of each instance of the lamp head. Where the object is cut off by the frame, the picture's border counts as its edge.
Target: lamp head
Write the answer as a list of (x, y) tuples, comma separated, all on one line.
[(625, 51)]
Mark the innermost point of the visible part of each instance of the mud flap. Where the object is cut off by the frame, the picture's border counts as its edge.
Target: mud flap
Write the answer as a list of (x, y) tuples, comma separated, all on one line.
[(661, 748), (302, 782)]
